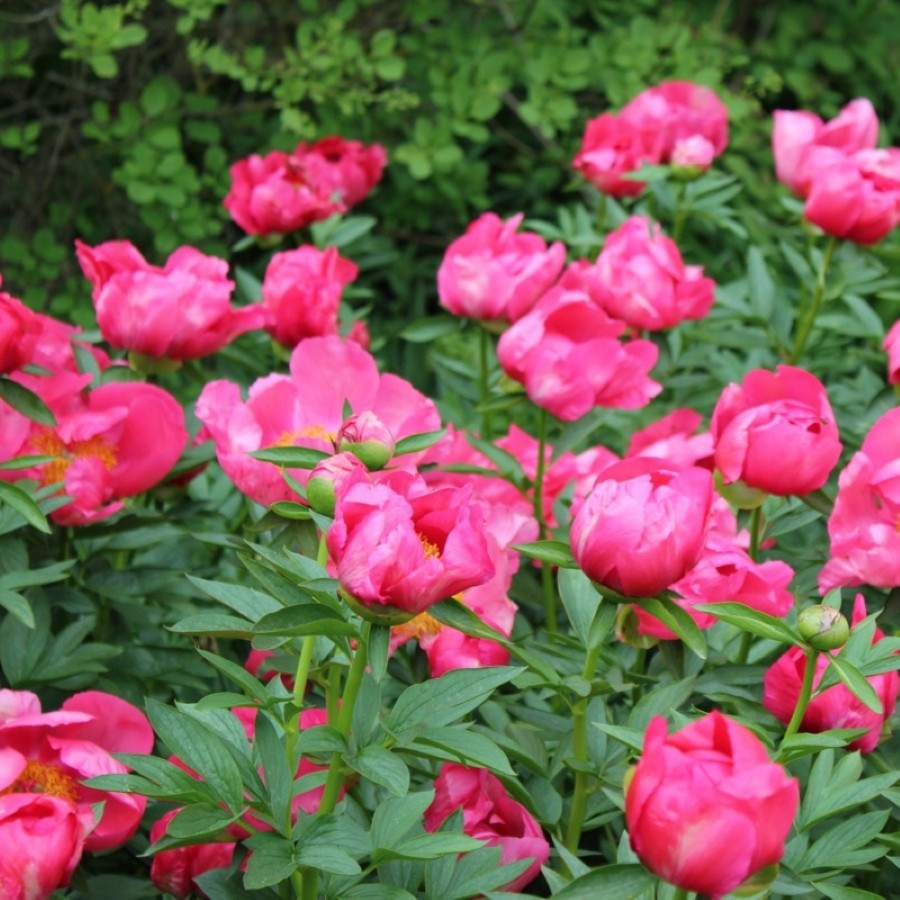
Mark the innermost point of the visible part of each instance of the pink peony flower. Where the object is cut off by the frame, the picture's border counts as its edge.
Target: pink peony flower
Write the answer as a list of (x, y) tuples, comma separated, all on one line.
[(447, 648), (116, 441), (493, 272), (672, 437), (173, 871), (567, 354), (642, 527), (19, 330), (280, 192), (855, 196), (725, 573), (797, 132), (672, 116), (490, 815), (865, 542), (42, 836), (835, 707), (891, 346), (305, 409), (613, 146), (180, 311), (399, 547), (706, 809), (302, 290), (53, 753), (640, 278), (695, 152), (776, 432)]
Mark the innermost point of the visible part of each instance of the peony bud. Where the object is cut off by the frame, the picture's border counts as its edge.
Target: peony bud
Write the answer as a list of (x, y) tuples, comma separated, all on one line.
[(326, 478), (368, 439), (823, 627)]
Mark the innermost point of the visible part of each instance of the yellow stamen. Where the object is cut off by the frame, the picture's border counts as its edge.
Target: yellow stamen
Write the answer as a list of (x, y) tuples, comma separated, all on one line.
[(421, 626), (289, 438), (43, 778), (431, 549), (49, 443)]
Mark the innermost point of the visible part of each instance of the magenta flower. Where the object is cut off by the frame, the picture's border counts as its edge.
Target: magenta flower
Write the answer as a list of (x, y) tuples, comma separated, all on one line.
[(640, 278), (180, 311), (643, 525), (672, 437), (490, 815), (305, 409), (835, 707), (776, 432), (53, 753), (706, 809), (399, 547), (302, 291), (495, 272), (613, 146), (567, 354), (865, 541)]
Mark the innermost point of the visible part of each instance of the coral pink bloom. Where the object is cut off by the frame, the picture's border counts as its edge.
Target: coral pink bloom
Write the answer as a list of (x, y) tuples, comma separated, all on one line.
[(695, 153), (891, 346), (673, 113), (118, 440), (776, 432), (494, 272), (567, 354), (280, 192), (180, 311), (447, 648), (302, 290), (642, 527), (857, 196), (672, 437), (490, 815), (706, 809), (53, 753), (613, 146), (41, 836), (173, 871), (835, 707), (640, 278), (305, 409), (19, 330), (797, 132), (863, 526), (399, 546), (725, 573)]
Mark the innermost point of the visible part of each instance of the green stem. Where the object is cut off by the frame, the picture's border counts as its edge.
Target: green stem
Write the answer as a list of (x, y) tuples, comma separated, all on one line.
[(600, 225), (538, 496), (580, 752), (302, 674), (755, 522), (809, 676), (744, 649), (679, 894), (333, 693), (809, 318), (681, 214), (484, 371), (345, 717)]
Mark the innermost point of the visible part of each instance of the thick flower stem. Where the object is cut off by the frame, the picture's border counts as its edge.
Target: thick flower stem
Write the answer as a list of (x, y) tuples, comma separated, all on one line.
[(344, 718), (580, 752), (680, 894), (302, 674), (809, 676), (809, 318), (484, 371), (546, 574), (755, 523)]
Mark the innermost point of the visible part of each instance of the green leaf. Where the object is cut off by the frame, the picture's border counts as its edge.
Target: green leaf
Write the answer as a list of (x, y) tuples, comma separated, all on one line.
[(292, 457), (630, 737), (556, 553), (424, 331), (26, 402), (591, 618), (312, 618), (249, 603), (288, 509), (15, 497), (856, 683), (277, 773), (444, 700), (798, 745), (382, 767), (621, 881), (416, 442), (271, 862), (215, 625), (752, 620), (378, 650), (199, 822), (26, 462), (17, 605), (251, 686), (200, 748), (760, 285), (677, 620), (396, 816), (429, 846), (463, 746)]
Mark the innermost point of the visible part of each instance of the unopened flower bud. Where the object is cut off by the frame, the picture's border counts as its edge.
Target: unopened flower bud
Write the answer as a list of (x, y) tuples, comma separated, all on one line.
[(739, 494), (823, 627), (368, 439), (326, 478)]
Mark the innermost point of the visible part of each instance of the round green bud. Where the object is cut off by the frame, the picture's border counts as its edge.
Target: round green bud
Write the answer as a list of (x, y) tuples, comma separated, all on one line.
[(823, 627)]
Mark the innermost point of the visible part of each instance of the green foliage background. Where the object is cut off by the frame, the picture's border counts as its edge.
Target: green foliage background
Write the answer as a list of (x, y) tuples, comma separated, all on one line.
[(119, 120)]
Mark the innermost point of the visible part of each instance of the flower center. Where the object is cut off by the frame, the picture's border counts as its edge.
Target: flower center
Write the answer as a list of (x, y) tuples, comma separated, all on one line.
[(418, 627), (289, 438), (432, 551), (43, 778), (50, 444)]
